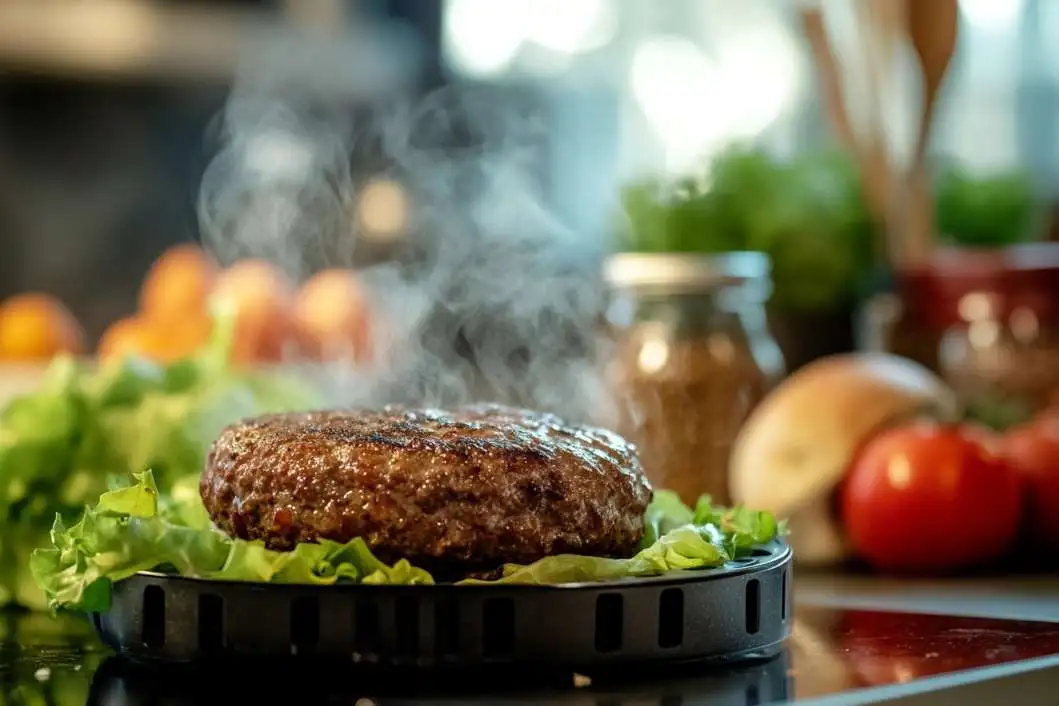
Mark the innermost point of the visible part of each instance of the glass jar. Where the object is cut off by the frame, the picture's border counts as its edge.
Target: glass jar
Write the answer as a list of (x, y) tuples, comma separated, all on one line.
[(693, 357), (986, 321)]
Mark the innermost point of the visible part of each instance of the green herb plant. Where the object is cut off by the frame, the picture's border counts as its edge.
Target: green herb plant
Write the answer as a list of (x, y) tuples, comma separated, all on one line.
[(990, 211), (806, 214)]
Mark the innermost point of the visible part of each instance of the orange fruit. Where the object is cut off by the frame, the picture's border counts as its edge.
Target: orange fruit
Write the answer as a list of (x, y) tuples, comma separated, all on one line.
[(187, 335), (131, 337), (146, 338), (261, 298), (332, 314), (178, 284), (37, 327)]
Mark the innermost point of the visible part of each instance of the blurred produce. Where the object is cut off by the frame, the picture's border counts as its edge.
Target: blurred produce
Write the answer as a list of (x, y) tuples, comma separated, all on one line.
[(261, 299), (796, 447), (931, 498), (36, 327), (143, 337), (694, 357), (178, 284), (328, 319), (127, 337), (173, 320), (60, 444), (869, 456), (331, 310), (1032, 449), (991, 211)]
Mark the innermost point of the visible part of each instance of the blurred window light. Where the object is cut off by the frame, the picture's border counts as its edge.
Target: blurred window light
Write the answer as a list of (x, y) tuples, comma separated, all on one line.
[(697, 104), (571, 26), (764, 73), (991, 15), (482, 37), (671, 80)]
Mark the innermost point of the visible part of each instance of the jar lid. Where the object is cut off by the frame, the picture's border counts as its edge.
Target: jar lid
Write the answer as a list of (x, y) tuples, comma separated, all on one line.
[(685, 271)]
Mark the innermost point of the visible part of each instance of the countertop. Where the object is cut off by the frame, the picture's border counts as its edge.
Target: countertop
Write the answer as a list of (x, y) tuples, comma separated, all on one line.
[(1016, 597), (835, 658)]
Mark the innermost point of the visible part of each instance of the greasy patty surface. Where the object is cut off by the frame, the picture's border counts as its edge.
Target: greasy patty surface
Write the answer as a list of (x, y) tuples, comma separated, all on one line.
[(459, 490)]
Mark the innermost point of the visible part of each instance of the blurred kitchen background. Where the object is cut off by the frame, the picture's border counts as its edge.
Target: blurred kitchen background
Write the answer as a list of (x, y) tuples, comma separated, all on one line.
[(106, 108), (781, 181)]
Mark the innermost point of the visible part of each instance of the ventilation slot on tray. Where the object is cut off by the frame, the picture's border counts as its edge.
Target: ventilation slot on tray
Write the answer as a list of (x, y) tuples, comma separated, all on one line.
[(753, 606), (304, 625), (783, 595), (498, 628), (153, 616), (211, 623), (609, 617), (447, 628), (671, 618), (366, 637), (406, 620)]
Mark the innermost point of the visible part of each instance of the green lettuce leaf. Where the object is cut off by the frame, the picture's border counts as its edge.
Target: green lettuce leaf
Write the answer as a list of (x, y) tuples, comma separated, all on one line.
[(129, 530), (676, 538), (62, 444), (665, 513), (137, 528)]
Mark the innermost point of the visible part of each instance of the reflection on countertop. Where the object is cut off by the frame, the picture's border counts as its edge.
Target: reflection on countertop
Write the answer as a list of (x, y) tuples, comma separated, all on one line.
[(45, 661)]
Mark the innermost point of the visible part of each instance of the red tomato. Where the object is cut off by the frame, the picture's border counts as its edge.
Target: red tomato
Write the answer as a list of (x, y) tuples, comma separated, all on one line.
[(932, 498), (1048, 419), (1033, 451)]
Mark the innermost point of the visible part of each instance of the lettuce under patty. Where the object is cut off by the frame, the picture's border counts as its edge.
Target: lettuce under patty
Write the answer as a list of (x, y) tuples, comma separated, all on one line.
[(134, 528)]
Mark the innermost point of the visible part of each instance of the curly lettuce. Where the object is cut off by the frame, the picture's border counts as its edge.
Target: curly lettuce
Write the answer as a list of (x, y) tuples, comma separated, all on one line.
[(61, 444), (135, 528)]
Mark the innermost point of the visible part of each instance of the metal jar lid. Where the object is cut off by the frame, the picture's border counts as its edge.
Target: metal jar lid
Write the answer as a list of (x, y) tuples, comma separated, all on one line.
[(685, 272)]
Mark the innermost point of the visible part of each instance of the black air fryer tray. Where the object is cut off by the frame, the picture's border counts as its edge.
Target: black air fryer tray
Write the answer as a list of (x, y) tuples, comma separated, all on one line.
[(742, 610)]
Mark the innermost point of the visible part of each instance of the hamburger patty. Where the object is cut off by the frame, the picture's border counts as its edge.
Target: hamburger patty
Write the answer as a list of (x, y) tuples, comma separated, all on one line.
[(459, 490)]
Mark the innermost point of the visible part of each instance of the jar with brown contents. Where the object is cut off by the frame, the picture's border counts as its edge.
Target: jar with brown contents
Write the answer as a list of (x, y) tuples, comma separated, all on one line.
[(693, 357)]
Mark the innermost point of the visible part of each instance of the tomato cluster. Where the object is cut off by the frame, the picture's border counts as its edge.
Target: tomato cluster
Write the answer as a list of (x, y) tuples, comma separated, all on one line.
[(935, 497)]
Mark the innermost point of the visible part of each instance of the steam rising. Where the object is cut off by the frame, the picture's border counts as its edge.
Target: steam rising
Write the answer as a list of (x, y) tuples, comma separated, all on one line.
[(488, 298)]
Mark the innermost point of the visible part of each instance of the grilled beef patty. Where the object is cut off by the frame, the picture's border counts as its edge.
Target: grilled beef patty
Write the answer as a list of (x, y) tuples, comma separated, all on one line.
[(463, 490)]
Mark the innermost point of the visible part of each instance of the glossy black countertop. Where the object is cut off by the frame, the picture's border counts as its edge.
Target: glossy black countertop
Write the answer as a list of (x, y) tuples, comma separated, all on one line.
[(834, 656)]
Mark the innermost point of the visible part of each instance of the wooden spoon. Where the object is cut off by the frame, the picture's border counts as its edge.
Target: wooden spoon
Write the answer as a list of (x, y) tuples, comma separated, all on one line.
[(867, 151), (932, 27)]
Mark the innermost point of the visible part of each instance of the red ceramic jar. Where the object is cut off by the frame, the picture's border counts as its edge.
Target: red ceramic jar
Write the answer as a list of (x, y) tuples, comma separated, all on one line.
[(985, 320)]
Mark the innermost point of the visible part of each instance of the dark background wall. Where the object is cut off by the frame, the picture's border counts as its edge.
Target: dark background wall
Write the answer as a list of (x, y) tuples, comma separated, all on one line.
[(98, 175)]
